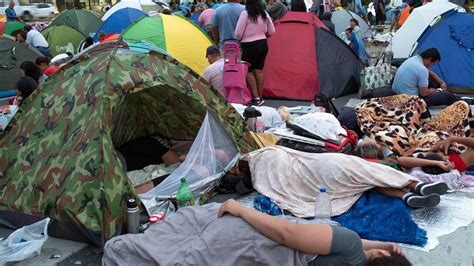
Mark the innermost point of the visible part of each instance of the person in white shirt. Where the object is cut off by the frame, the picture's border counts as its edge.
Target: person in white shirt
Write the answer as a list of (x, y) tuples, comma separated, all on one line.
[(215, 71), (35, 39)]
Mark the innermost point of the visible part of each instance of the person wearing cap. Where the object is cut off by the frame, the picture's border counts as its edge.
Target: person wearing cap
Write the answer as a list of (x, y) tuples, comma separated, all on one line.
[(215, 71)]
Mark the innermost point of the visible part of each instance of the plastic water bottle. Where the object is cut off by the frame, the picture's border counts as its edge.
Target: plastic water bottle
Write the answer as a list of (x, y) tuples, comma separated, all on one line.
[(260, 127), (133, 217), (322, 205), (185, 195)]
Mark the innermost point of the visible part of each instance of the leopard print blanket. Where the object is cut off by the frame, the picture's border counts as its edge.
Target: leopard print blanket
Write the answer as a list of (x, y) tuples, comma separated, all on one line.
[(403, 123)]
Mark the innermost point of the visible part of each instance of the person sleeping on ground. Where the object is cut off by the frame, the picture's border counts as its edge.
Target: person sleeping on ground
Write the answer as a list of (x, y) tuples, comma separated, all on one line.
[(292, 179), (140, 152), (426, 165), (231, 234), (403, 123)]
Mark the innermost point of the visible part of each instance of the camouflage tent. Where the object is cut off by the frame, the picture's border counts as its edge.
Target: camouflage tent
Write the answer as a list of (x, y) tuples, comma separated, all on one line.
[(56, 155)]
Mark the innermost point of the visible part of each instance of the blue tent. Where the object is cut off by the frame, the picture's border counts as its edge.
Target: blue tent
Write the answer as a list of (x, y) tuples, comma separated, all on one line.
[(453, 36), (119, 21)]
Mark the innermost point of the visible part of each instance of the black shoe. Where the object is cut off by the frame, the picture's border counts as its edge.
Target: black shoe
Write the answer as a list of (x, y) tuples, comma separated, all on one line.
[(413, 200), (260, 102), (425, 189)]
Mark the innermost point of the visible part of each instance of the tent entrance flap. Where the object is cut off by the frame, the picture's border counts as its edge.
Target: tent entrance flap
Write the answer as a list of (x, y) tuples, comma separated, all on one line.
[(212, 153)]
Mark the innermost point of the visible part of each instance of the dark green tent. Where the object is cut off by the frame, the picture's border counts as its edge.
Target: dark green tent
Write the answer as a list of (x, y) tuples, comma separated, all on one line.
[(12, 54), (84, 21)]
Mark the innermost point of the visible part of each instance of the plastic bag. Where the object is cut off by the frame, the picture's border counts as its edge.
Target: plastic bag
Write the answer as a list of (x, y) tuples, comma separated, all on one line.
[(25, 242)]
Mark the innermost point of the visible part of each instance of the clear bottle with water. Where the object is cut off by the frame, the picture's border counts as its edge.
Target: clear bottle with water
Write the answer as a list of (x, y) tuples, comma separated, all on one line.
[(322, 205)]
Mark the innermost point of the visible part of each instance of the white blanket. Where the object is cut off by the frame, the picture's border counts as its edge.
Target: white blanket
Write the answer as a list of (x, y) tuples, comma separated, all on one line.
[(292, 178)]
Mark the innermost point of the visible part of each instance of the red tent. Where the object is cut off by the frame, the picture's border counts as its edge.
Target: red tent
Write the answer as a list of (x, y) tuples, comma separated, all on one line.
[(304, 58)]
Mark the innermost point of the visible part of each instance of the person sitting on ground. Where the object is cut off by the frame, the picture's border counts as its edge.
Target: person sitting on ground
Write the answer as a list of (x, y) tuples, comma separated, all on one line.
[(357, 45), (413, 78), (334, 245), (20, 36), (215, 71), (37, 40), (276, 9), (24, 88), (84, 44), (298, 6), (44, 64), (253, 28), (354, 24), (30, 69), (327, 16)]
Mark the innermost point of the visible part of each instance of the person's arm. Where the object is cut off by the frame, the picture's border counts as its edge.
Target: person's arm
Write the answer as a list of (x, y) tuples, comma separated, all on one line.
[(241, 25), (439, 80), (388, 246), (301, 237), (444, 145), (270, 26), (410, 162), (215, 29), (425, 91)]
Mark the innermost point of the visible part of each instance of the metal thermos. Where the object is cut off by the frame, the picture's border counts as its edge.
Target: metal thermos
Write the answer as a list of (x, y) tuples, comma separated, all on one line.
[(133, 217)]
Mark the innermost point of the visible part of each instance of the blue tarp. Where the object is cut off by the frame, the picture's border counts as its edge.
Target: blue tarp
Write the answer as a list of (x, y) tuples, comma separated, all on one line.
[(119, 21), (453, 36)]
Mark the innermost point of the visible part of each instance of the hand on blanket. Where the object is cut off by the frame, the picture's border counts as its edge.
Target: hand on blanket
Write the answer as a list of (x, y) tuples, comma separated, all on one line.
[(231, 207), (442, 146)]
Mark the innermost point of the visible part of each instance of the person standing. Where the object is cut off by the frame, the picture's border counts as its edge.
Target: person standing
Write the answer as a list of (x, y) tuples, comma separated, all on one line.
[(380, 16), (35, 39), (253, 28), (317, 8), (205, 19), (225, 20), (10, 11), (298, 6)]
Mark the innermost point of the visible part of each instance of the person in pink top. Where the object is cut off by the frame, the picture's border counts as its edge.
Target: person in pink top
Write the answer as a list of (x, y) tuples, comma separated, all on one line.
[(205, 19), (253, 28)]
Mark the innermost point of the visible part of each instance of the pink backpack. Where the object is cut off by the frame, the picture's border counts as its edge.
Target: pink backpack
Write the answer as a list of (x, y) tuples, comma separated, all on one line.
[(235, 73)]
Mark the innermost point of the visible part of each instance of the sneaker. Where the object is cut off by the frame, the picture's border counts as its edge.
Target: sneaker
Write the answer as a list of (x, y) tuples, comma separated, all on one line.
[(425, 189), (260, 102), (413, 200)]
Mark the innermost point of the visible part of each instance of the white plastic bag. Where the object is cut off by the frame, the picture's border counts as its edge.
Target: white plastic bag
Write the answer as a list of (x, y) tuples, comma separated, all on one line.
[(25, 242)]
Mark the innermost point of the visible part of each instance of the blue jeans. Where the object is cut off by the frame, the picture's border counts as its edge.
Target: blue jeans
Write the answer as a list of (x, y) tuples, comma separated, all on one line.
[(44, 50), (441, 98)]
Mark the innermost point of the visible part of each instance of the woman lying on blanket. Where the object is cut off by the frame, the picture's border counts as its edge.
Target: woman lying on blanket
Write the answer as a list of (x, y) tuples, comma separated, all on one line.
[(334, 245), (292, 178)]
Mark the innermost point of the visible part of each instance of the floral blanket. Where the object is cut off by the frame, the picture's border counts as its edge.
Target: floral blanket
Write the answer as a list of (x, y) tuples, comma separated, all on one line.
[(403, 123)]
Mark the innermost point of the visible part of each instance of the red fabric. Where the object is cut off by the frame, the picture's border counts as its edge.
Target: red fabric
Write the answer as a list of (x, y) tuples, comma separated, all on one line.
[(458, 162), (51, 70), (291, 69)]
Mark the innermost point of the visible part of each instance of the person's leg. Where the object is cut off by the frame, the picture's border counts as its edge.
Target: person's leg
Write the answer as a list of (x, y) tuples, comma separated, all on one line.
[(440, 98), (252, 82), (259, 78), (391, 192)]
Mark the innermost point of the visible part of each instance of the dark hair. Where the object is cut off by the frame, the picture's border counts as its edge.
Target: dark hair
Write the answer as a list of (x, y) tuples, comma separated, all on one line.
[(26, 86), (432, 170), (327, 16), (255, 9), (22, 33), (355, 21), (298, 6), (31, 70), (27, 28), (89, 41), (431, 53), (392, 260), (349, 29), (42, 60)]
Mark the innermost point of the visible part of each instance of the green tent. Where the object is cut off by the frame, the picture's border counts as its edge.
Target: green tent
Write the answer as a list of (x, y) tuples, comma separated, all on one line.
[(12, 55), (84, 21), (57, 156), (13, 26), (62, 39)]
